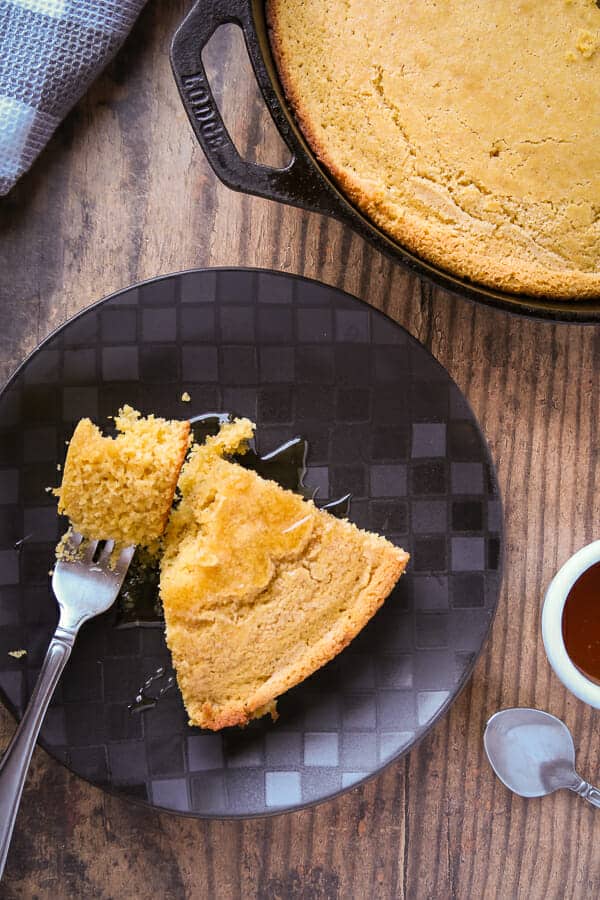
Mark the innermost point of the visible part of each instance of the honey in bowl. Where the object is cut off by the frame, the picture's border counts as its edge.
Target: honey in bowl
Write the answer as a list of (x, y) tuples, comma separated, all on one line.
[(581, 623)]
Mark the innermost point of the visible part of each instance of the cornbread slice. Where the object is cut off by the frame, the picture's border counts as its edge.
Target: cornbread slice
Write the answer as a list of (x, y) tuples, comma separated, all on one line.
[(122, 488), (259, 587), (468, 131)]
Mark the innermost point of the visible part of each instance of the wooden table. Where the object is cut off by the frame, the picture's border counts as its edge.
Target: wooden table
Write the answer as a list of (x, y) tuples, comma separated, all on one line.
[(123, 193)]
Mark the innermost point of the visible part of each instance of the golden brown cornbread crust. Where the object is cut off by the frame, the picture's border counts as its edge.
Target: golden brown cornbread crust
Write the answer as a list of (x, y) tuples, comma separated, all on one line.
[(491, 182), (259, 587)]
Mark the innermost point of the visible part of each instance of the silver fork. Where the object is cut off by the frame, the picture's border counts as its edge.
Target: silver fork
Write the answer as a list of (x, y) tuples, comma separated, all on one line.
[(84, 588)]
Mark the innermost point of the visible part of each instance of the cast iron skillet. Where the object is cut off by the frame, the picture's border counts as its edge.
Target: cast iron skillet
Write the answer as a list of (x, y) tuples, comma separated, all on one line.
[(304, 182)]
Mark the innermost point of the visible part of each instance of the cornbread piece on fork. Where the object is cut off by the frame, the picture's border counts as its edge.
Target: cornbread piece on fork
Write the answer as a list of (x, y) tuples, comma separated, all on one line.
[(122, 488)]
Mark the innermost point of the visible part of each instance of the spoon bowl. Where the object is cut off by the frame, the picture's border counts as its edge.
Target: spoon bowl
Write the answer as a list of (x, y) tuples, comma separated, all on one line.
[(531, 752)]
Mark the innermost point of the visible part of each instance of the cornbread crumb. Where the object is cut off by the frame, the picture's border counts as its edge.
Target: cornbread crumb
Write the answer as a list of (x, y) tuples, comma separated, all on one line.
[(587, 43), (403, 101), (17, 654), (122, 488), (259, 587), (64, 549), (186, 397)]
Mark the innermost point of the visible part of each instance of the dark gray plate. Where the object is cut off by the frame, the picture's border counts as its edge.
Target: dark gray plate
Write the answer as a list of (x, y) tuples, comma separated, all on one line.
[(383, 420)]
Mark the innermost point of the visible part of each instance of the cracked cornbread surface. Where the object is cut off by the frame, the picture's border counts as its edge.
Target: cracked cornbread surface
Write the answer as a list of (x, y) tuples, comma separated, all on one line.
[(122, 488), (467, 130), (259, 587)]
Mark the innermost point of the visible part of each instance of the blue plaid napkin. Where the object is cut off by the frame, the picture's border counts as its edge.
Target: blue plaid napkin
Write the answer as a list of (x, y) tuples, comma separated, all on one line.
[(50, 51)]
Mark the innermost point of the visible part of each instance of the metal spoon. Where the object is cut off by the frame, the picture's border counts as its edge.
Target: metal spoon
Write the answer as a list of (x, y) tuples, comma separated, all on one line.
[(533, 754)]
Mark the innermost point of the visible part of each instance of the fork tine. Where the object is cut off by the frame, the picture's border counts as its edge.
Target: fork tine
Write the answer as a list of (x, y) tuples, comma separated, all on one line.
[(124, 559), (88, 551), (105, 553), (73, 541)]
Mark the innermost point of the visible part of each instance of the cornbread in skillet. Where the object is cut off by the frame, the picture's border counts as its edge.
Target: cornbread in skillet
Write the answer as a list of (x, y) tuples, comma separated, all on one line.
[(122, 488), (259, 587), (467, 130)]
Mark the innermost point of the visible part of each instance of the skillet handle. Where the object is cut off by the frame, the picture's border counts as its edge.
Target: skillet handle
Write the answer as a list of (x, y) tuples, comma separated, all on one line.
[(299, 183)]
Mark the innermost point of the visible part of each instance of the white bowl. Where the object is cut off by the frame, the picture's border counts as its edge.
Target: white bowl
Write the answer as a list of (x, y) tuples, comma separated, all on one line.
[(552, 633)]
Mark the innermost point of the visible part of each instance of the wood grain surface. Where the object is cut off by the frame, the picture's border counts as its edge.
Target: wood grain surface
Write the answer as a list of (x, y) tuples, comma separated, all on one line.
[(124, 193)]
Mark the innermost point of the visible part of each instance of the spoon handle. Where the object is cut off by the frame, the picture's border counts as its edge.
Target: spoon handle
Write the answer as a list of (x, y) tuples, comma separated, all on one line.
[(589, 793)]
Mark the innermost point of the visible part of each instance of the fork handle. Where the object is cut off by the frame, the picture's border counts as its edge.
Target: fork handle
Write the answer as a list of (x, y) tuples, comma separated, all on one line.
[(15, 762)]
